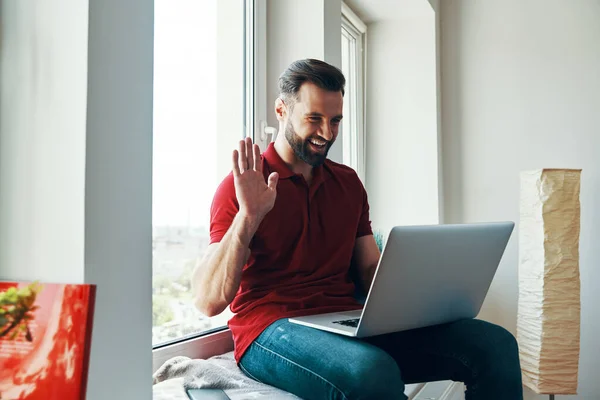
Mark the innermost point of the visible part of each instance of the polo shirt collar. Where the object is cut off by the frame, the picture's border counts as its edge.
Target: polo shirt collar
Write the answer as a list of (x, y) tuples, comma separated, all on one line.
[(276, 164)]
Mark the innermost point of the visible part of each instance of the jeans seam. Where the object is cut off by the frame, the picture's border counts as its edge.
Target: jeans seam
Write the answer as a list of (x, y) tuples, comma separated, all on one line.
[(303, 368), (249, 374)]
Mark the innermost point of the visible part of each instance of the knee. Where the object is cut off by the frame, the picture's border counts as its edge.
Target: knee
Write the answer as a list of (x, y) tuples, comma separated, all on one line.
[(508, 349), (500, 352), (503, 344), (375, 376)]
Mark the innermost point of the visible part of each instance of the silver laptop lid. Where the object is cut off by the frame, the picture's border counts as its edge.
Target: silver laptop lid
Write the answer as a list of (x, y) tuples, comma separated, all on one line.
[(433, 274)]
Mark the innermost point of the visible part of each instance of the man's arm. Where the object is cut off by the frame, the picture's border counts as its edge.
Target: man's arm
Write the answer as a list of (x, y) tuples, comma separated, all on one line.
[(364, 260), (216, 279), (217, 276)]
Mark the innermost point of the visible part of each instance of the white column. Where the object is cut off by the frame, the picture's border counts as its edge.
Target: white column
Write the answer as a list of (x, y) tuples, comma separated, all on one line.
[(118, 196)]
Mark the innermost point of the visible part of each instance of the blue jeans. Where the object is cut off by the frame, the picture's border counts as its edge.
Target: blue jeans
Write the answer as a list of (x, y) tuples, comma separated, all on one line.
[(314, 364)]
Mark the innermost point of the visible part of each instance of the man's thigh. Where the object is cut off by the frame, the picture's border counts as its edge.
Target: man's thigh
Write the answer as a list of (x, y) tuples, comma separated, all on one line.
[(460, 351), (314, 364)]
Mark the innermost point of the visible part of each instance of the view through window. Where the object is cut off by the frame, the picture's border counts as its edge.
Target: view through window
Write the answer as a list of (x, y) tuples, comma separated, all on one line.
[(184, 161)]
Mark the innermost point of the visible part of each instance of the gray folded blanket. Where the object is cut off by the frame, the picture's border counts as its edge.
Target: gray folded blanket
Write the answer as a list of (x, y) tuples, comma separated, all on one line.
[(218, 372)]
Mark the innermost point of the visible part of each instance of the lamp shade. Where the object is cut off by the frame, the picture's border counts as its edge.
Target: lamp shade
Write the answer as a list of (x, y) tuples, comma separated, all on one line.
[(548, 318)]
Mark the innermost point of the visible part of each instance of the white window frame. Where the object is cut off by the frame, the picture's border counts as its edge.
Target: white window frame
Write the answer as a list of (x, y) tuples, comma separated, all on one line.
[(219, 340), (259, 60), (255, 105), (352, 24)]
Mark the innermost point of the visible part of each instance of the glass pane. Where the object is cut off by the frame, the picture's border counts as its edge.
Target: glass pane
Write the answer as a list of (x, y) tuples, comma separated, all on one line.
[(184, 163)]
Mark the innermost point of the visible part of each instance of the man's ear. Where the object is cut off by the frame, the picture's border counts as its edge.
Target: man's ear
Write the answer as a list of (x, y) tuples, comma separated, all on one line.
[(281, 110)]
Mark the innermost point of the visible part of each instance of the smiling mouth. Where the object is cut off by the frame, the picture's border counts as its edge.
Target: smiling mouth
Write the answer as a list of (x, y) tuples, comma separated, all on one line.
[(319, 144)]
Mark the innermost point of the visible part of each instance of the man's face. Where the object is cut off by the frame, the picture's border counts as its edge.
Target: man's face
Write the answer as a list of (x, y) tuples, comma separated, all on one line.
[(313, 122)]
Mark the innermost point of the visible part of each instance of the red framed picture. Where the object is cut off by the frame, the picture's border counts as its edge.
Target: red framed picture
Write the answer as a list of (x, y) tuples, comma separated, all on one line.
[(45, 339)]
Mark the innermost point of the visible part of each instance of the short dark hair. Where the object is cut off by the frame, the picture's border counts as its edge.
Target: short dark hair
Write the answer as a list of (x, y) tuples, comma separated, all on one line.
[(318, 72)]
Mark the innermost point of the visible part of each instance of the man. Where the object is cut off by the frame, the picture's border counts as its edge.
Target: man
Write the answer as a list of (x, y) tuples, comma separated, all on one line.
[(289, 232)]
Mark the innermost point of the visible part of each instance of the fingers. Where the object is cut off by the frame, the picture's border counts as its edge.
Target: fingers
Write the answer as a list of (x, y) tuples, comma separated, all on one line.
[(236, 165), (243, 160), (257, 160), (247, 157), (272, 181), (249, 153)]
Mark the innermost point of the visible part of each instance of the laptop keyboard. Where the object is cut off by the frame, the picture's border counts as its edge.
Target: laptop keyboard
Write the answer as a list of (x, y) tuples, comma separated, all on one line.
[(348, 322)]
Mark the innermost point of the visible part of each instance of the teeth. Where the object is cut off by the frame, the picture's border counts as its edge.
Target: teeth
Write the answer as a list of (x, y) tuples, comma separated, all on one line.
[(317, 143)]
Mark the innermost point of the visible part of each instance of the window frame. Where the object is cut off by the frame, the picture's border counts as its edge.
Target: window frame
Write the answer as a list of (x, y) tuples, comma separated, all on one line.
[(356, 28), (259, 69), (218, 340), (249, 66)]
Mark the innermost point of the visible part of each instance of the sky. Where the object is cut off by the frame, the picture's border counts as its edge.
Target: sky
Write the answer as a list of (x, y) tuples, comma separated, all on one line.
[(185, 126)]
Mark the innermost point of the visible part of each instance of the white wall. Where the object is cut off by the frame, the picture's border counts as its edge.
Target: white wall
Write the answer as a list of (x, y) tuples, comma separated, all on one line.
[(521, 90), (43, 56), (402, 132), (298, 30), (76, 172)]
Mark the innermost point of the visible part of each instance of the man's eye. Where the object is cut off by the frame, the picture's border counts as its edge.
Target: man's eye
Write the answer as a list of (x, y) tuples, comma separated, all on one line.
[(314, 119)]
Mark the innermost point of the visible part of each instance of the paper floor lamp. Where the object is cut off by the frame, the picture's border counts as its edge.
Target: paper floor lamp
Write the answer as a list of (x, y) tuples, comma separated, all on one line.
[(548, 316)]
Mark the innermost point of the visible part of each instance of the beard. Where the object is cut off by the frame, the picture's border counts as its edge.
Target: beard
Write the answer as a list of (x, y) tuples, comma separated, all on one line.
[(302, 149)]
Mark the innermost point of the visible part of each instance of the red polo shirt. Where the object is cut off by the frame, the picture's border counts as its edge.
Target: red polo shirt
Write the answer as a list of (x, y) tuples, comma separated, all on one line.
[(300, 255)]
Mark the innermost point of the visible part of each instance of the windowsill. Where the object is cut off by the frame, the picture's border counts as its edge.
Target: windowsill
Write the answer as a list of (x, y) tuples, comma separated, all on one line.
[(213, 344), (204, 346)]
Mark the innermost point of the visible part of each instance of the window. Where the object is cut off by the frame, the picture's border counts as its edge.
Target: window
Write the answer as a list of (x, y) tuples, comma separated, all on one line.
[(353, 67), (195, 84)]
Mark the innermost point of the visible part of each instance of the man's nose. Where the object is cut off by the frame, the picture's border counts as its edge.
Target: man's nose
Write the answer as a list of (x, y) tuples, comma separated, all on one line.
[(327, 132)]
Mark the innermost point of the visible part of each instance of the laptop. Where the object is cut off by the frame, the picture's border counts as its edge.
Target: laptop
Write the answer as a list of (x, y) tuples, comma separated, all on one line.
[(427, 275)]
